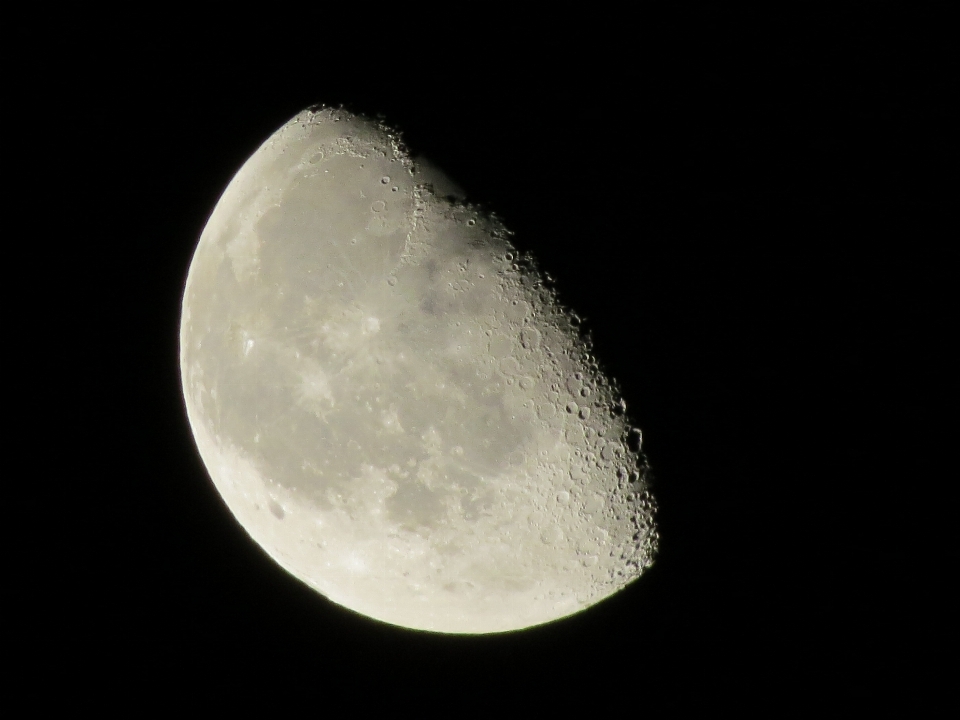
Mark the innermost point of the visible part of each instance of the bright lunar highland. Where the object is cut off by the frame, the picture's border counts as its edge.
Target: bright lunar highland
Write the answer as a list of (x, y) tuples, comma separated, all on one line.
[(391, 400)]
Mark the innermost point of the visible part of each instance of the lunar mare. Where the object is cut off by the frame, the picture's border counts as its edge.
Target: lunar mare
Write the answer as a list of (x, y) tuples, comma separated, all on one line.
[(392, 402)]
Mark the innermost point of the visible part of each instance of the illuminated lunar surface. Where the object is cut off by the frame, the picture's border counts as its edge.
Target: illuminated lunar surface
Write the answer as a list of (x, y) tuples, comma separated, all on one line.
[(392, 402)]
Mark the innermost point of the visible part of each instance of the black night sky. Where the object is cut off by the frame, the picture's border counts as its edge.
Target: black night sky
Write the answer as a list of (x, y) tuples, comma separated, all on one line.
[(749, 212)]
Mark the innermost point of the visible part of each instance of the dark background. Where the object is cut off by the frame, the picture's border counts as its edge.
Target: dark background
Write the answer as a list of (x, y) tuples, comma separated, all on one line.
[(747, 209)]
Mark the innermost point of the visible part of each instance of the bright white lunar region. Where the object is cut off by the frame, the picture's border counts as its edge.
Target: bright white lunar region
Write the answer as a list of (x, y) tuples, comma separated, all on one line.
[(391, 400)]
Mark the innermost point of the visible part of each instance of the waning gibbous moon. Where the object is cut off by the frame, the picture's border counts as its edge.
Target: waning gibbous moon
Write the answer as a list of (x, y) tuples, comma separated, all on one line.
[(390, 399)]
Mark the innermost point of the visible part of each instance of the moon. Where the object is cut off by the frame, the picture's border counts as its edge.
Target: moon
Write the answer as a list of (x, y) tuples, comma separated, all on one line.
[(392, 402)]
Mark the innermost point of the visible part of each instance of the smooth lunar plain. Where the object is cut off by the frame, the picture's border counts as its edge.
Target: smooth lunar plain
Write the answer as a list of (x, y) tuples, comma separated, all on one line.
[(392, 402)]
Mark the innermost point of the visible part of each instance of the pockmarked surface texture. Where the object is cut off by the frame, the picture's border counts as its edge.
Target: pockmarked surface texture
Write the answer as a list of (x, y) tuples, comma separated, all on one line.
[(390, 399)]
